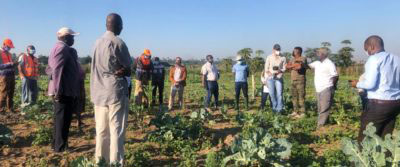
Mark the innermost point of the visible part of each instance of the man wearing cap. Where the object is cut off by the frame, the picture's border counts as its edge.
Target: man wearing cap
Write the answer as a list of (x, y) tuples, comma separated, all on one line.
[(325, 80), (241, 72), (157, 81), (7, 77), (275, 66), (143, 67), (210, 76), (63, 72), (28, 72), (381, 81), (177, 76), (109, 91)]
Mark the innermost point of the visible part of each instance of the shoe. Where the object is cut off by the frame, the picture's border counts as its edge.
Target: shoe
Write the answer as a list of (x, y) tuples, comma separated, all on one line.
[(294, 114), (299, 116)]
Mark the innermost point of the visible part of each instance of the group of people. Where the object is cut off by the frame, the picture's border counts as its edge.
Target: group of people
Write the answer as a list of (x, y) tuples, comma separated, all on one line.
[(110, 84)]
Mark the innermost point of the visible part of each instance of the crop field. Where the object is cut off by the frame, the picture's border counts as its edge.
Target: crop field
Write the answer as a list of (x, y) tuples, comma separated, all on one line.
[(193, 136)]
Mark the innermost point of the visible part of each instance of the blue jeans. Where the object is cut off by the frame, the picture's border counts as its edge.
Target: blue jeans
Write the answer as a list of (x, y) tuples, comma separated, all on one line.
[(29, 91), (276, 94), (212, 89)]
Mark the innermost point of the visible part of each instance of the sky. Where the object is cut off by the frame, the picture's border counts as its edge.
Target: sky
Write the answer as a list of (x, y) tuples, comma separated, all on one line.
[(194, 28)]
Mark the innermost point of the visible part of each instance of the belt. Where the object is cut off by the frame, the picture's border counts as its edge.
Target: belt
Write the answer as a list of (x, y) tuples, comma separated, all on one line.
[(384, 101)]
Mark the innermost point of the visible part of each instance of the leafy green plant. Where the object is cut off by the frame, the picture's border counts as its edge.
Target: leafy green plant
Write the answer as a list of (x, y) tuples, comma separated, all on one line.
[(42, 136), (5, 135), (138, 156), (261, 149), (374, 151), (213, 159)]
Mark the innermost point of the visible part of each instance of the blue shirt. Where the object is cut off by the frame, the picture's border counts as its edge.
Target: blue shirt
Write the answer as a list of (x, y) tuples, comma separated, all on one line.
[(241, 72), (382, 77)]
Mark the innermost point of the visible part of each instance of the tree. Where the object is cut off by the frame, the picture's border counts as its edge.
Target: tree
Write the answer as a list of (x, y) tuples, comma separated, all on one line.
[(287, 55), (311, 53), (259, 53), (345, 55), (85, 60), (226, 64), (245, 53)]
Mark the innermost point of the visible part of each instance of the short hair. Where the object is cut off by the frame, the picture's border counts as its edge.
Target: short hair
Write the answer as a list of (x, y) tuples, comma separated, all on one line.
[(323, 51), (178, 58), (156, 59), (374, 40), (299, 49), (209, 56)]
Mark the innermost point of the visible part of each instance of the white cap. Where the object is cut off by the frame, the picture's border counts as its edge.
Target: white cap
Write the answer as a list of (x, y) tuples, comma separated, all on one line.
[(239, 58), (66, 31)]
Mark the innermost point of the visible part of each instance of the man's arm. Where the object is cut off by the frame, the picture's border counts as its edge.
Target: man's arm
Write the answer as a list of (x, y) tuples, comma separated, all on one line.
[(371, 74), (57, 65), (123, 58)]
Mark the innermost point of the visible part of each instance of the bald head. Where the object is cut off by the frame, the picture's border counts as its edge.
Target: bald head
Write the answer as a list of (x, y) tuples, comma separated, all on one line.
[(114, 23), (374, 44)]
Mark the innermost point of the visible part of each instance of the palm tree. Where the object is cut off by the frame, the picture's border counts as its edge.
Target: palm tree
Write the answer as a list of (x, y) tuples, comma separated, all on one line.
[(346, 42), (245, 53), (259, 53)]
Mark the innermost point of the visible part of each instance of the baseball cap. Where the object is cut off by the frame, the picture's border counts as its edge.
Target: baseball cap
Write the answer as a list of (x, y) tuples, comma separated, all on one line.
[(66, 31)]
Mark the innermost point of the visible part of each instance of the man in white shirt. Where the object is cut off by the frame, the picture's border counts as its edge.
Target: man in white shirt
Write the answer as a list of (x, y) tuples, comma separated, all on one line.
[(325, 80), (210, 76), (275, 66)]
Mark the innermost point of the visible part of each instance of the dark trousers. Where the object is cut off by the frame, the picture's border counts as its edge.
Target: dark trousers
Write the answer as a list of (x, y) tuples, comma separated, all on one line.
[(244, 87), (63, 110), (212, 90), (264, 98), (382, 115), (160, 87)]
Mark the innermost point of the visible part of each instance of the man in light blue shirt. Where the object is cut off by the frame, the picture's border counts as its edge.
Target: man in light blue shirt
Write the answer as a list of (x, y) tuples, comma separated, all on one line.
[(241, 72), (382, 83)]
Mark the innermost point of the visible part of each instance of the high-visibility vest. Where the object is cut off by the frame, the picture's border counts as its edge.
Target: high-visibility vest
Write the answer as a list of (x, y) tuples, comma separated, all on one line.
[(31, 66), (6, 58)]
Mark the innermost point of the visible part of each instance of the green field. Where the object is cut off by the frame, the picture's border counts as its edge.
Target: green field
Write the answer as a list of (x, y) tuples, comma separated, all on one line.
[(193, 137)]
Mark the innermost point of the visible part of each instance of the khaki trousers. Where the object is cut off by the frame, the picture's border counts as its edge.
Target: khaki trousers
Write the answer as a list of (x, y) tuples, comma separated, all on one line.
[(110, 131), (7, 86)]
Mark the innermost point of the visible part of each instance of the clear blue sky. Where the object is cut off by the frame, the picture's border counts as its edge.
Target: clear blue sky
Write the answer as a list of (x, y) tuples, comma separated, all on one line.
[(194, 28)]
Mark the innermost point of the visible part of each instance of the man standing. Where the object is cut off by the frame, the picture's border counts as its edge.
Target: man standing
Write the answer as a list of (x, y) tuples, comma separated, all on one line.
[(325, 80), (210, 76), (275, 66), (109, 91), (7, 77), (241, 72), (63, 71), (177, 76), (157, 81), (382, 83), (29, 72), (298, 65), (143, 67)]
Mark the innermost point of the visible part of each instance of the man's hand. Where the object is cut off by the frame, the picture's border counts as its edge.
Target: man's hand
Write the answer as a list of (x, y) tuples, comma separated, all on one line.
[(297, 66), (353, 83), (122, 72)]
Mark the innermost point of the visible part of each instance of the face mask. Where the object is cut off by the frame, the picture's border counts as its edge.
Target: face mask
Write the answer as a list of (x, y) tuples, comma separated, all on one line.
[(147, 57), (240, 62), (32, 52), (6, 48), (277, 52)]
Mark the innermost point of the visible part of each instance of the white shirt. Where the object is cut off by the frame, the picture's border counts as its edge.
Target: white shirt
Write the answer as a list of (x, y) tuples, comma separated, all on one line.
[(324, 73), (177, 74), (264, 80), (275, 61), (211, 71)]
